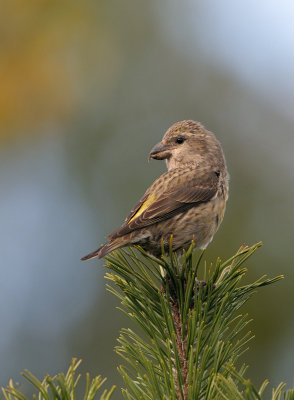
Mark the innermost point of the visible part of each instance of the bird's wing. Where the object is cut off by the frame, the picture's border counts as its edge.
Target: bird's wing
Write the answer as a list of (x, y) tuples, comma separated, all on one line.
[(168, 196), (138, 206)]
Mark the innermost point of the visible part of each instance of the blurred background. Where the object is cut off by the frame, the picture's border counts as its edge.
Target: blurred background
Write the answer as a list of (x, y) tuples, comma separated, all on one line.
[(87, 88)]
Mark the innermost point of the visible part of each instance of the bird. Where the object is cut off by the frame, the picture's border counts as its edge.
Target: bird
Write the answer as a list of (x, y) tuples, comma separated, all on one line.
[(187, 202)]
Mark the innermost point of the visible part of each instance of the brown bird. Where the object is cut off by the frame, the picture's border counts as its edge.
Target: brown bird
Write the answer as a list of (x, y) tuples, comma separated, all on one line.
[(188, 201)]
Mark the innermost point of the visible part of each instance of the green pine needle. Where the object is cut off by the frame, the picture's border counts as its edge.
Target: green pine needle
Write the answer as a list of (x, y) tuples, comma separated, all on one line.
[(59, 387), (189, 330)]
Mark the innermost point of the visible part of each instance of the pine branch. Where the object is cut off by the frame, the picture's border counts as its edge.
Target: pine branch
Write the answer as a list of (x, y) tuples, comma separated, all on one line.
[(60, 387), (236, 387), (190, 334), (190, 329)]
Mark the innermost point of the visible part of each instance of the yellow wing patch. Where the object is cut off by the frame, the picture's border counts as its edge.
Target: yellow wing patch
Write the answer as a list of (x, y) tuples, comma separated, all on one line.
[(150, 199)]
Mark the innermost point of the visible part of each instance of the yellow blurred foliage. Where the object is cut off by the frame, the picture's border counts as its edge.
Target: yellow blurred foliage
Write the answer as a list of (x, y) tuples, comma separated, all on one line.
[(34, 77)]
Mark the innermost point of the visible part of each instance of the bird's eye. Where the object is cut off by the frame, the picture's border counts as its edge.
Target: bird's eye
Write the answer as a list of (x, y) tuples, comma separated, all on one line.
[(180, 140)]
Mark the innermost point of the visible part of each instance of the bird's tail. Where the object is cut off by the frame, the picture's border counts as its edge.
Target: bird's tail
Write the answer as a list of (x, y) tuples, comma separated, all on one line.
[(105, 249)]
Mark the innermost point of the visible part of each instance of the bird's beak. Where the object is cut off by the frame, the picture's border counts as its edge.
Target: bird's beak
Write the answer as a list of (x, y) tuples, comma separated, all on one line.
[(160, 152)]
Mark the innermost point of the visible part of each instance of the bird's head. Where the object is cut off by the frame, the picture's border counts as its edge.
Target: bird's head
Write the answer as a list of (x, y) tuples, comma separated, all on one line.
[(187, 142)]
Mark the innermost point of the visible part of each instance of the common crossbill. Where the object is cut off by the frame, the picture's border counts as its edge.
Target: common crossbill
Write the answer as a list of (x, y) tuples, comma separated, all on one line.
[(187, 202)]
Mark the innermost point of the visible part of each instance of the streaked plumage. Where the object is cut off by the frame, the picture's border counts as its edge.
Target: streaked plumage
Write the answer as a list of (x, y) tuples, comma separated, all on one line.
[(188, 201)]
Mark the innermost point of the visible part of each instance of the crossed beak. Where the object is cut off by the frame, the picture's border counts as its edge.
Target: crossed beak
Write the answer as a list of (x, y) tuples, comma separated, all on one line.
[(160, 151)]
